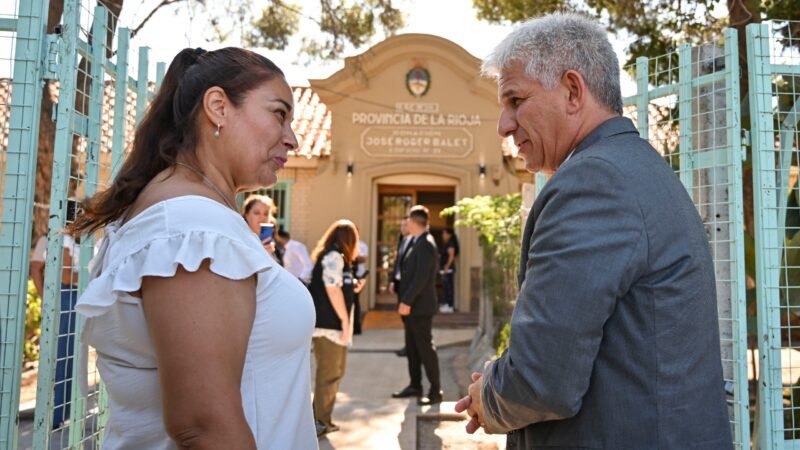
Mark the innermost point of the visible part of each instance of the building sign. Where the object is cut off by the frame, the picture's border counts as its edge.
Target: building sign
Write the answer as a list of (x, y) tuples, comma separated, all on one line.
[(397, 141), (418, 81), (418, 129)]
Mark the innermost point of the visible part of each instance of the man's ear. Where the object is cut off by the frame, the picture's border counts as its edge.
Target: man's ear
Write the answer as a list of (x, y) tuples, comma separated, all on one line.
[(215, 106), (577, 92)]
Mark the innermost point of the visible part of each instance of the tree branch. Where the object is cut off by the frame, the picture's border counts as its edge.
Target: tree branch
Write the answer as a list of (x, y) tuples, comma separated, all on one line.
[(150, 15)]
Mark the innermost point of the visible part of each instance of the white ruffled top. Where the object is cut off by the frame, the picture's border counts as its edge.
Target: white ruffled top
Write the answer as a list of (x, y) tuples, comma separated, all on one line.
[(276, 383)]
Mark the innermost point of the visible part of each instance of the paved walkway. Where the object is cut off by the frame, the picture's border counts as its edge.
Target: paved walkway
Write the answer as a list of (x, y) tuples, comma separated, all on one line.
[(370, 419)]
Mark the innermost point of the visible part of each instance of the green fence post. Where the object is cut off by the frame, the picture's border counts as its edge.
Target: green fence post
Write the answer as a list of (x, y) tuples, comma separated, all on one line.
[(120, 101), (161, 68), (642, 97), (18, 189), (685, 118), (141, 83), (741, 396), (768, 242), (90, 182), (62, 149)]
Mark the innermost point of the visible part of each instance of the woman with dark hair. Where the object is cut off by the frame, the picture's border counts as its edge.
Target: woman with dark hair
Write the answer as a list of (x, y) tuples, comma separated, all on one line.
[(333, 287), (203, 341), (258, 209), (447, 268)]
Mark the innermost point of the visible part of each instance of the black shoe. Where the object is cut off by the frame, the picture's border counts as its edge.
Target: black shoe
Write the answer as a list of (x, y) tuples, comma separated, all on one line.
[(431, 399), (401, 353), (407, 391)]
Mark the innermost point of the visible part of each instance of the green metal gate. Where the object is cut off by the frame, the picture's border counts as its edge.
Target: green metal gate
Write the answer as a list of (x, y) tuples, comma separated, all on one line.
[(98, 106), (774, 78), (687, 106)]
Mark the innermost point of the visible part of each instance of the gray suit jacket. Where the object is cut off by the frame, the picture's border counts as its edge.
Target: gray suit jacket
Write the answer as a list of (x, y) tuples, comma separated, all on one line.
[(418, 278), (614, 336)]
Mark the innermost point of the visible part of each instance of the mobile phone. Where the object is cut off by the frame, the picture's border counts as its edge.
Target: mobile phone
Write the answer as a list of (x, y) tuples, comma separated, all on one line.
[(267, 231)]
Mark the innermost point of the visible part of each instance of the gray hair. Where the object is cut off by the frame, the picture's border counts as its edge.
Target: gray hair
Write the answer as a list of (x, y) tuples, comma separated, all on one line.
[(551, 45)]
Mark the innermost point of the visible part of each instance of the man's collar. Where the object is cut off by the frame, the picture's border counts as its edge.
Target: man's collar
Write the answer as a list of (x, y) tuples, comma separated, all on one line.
[(613, 126)]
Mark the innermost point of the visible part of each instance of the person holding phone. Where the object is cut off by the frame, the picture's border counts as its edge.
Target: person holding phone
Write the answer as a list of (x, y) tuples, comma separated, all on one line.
[(333, 287), (257, 211)]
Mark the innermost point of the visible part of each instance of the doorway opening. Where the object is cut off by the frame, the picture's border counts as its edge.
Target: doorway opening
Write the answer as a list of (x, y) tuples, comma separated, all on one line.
[(394, 201)]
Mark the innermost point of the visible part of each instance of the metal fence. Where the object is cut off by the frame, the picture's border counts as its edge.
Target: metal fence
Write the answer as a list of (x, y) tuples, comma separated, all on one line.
[(774, 80), (98, 105)]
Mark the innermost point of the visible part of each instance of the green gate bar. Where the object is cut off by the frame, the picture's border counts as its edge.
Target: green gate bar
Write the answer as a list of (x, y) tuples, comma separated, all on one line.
[(78, 413), (120, 101), (62, 154), (768, 241), (741, 399), (141, 83), (685, 154), (18, 189)]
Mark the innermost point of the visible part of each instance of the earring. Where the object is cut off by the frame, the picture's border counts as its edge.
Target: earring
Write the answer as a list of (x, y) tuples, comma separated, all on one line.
[(216, 133)]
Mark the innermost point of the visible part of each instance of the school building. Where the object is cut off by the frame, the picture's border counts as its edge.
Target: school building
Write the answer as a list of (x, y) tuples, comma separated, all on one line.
[(409, 121)]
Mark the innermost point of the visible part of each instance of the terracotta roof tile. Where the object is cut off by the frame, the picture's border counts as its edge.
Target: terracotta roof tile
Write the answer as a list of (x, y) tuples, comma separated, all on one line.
[(311, 124)]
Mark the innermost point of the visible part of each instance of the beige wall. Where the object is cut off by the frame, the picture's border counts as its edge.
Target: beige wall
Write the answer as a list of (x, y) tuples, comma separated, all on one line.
[(375, 82)]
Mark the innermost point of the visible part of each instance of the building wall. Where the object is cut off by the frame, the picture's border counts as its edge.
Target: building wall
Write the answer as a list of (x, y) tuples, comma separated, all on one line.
[(300, 208), (458, 105)]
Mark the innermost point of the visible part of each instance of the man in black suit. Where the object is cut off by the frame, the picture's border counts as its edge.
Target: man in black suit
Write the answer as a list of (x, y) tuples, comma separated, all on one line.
[(418, 304), (402, 246)]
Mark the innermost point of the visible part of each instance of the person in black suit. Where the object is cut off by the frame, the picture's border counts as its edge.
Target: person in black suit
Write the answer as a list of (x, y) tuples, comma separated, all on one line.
[(418, 304), (402, 245)]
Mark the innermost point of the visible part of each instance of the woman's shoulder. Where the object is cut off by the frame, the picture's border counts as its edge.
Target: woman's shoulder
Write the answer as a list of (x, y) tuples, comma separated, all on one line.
[(185, 212)]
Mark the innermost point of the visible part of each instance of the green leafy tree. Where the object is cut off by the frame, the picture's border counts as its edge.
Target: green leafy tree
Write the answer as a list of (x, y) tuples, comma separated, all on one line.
[(498, 221)]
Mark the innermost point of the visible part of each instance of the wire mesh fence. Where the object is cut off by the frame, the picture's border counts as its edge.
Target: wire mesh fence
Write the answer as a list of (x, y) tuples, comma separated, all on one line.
[(774, 80), (97, 105), (687, 106), (100, 104)]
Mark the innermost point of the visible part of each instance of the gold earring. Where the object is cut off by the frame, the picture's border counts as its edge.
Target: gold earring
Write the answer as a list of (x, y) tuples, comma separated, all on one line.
[(216, 133)]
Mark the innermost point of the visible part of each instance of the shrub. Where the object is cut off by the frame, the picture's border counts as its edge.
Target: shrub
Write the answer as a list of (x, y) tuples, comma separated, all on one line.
[(497, 220), (33, 319)]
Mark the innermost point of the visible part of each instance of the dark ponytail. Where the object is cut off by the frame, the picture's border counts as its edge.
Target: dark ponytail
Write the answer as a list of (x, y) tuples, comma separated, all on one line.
[(169, 127)]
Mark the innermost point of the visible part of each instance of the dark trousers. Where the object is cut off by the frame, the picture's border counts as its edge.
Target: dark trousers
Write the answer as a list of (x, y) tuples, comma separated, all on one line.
[(421, 352), (447, 287), (64, 355)]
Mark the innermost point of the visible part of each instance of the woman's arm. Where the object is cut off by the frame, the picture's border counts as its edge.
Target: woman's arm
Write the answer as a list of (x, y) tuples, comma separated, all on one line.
[(200, 324), (336, 297), (451, 257), (37, 274)]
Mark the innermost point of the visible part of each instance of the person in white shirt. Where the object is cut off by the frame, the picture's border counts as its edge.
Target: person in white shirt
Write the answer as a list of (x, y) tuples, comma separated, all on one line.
[(295, 256), (202, 339), (68, 295)]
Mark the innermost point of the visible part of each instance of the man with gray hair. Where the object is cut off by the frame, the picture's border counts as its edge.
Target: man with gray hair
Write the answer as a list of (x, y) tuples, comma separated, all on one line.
[(614, 336)]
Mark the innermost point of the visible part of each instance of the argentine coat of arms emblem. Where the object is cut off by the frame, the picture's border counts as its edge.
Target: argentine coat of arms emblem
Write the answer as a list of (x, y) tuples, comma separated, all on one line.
[(418, 81)]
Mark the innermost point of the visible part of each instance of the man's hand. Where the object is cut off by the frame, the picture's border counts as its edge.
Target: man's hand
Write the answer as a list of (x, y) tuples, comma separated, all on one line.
[(403, 309), (472, 405)]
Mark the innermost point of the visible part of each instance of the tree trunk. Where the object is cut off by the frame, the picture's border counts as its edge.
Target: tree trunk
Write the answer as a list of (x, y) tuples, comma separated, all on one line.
[(47, 127), (740, 14)]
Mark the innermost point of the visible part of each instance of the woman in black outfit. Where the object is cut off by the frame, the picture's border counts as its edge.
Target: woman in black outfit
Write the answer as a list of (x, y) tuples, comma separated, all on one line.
[(333, 288), (447, 265)]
